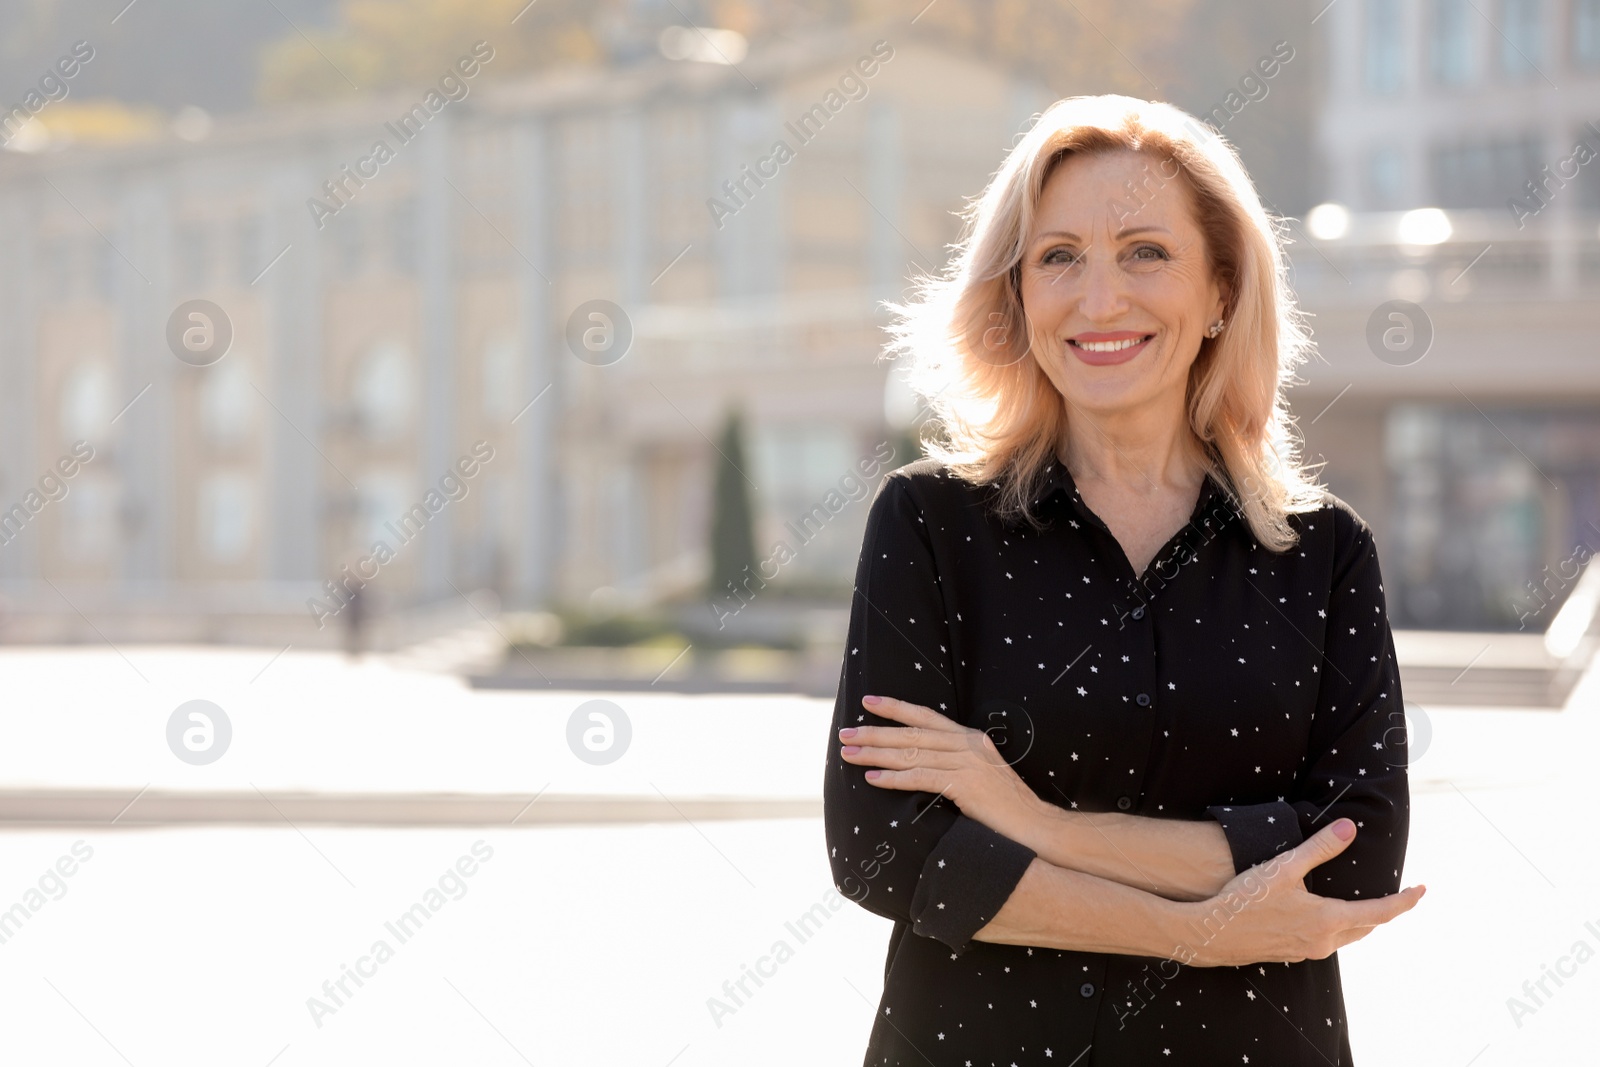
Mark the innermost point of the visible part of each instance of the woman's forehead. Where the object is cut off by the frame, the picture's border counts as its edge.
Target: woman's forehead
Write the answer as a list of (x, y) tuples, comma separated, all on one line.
[(1116, 190)]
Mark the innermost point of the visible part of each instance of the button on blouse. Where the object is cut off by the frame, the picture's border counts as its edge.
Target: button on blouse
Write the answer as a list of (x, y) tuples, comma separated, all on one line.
[(1226, 682)]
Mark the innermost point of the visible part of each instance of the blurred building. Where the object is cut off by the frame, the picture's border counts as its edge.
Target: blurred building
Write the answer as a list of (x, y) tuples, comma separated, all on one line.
[(389, 310), (587, 271), (1466, 428)]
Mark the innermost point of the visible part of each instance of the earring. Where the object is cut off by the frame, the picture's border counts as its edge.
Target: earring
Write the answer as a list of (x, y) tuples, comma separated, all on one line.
[(1216, 327)]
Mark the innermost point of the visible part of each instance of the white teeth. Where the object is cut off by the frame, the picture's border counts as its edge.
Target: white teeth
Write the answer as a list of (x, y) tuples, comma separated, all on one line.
[(1109, 346)]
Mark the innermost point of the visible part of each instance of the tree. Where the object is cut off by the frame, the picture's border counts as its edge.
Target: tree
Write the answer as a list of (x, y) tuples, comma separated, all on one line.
[(391, 44), (733, 548)]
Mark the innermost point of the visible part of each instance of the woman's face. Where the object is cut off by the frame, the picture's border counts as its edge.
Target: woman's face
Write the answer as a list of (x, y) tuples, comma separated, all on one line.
[(1116, 285)]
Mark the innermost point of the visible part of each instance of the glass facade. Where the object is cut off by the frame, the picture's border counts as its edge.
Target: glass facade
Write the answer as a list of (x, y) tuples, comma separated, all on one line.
[(1385, 51), (1490, 510), (1521, 37), (1450, 42)]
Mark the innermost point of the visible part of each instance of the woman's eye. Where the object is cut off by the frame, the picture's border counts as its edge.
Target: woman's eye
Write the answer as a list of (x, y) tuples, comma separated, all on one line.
[(1154, 253), (1059, 257)]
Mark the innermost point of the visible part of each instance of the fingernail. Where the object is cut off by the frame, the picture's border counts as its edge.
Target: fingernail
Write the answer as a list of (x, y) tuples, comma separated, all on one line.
[(873, 774), (851, 750), (1344, 829), (871, 700), (848, 731)]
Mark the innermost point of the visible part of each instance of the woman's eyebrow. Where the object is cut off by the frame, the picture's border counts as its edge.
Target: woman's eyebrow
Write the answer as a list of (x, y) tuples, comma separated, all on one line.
[(1129, 232)]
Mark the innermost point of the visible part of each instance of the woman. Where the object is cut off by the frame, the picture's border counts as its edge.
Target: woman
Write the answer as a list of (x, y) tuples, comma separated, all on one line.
[(1119, 742)]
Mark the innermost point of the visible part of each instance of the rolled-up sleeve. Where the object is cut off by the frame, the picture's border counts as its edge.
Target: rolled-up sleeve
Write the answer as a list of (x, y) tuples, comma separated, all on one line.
[(1356, 763), (907, 856)]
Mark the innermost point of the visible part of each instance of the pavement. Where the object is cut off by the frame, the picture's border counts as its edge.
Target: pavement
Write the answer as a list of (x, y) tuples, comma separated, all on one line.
[(599, 939)]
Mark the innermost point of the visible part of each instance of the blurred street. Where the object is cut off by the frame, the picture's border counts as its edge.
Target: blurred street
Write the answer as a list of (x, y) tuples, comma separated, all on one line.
[(223, 933)]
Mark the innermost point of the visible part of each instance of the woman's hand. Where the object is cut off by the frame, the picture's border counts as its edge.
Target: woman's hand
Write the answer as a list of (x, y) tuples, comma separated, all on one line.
[(1266, 915), (933, 753)]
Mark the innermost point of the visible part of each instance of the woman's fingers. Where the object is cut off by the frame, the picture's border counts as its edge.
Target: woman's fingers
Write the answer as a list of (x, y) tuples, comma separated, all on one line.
[(899, 737), (893, 758), (911, 714), (1371, 914), (1317, 849), (900, 757)]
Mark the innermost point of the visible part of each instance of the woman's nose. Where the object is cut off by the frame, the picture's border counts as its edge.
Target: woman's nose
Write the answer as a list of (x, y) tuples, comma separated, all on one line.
[(1104, 288)]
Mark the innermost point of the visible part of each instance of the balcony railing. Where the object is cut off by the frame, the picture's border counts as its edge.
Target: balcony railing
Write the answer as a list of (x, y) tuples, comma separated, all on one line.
[(1445, 255)]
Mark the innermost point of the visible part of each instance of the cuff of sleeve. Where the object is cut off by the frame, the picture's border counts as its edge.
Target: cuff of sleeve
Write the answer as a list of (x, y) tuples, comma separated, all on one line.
[(967, 878), (1257, 832)]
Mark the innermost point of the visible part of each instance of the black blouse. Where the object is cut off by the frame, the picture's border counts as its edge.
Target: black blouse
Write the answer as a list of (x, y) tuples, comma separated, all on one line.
[(1227, 682)]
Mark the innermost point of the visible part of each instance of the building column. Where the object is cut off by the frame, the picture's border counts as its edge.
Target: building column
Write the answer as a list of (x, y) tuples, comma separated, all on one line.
[(535, 493), (20, 358), (436, 211), (145, 459), (295, 475), (884, 163)]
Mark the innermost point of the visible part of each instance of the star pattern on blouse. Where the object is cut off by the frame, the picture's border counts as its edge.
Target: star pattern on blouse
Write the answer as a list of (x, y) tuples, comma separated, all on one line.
[(1271, 720)]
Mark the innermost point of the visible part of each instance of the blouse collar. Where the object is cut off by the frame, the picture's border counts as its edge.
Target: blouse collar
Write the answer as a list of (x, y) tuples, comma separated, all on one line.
[(1058, 479)]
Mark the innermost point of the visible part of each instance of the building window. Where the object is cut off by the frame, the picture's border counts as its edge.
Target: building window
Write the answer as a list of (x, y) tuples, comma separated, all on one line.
[(104, 264), (1385, 179), (585, 217), (1450, 46), (1482, 174), (227, 517), (90, 518), (1588, 179), (385, 392), (347, 230), (194, 257), (678, 141), (385, 509), (816, 496), (483, 231), (403, 236), (1385, 50), (1521, 37), (1490, 507), (227, 402), (1586, 33), (58, 268), (86, 401), (502, 389), (248, 256)]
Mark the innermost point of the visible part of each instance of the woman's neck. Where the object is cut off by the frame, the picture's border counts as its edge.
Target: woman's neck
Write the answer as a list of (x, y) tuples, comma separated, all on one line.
[(1141, 454)]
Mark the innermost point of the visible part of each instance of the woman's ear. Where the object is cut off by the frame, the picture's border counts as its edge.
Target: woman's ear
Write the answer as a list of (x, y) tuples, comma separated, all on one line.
[(1224, 301)]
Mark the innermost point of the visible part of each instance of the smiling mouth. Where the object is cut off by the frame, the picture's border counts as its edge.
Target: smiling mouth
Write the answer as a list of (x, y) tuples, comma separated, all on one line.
[(1119, 345)]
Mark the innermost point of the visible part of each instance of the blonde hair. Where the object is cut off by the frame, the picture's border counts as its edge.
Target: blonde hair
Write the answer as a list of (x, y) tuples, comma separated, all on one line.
[(965, 338)]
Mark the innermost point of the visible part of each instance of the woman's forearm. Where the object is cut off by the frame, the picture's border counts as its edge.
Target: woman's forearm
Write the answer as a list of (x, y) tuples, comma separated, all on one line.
[(1052, 907), (1173, 858)]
